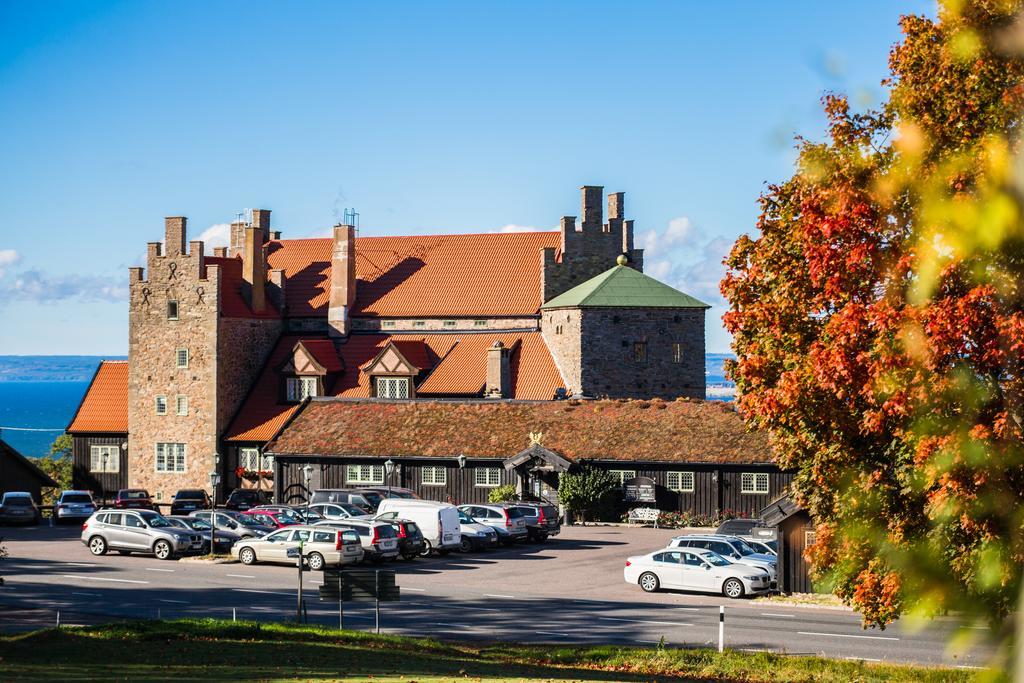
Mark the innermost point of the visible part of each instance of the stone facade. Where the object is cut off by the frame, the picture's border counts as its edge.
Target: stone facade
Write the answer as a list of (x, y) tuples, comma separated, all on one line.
[(591, 250), (628, 352)]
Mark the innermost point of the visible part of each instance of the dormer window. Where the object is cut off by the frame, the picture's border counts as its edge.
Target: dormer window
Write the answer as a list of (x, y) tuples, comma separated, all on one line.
[(392, 387), (300, 388)]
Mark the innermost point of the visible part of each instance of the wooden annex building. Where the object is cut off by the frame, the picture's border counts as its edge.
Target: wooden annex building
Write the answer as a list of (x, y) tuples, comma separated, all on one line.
[(18, 473), (700, 455)]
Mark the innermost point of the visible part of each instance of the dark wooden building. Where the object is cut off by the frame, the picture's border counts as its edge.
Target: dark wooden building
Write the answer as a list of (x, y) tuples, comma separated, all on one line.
[(99, 432), (18, 473), (794, 533), (700, 455)]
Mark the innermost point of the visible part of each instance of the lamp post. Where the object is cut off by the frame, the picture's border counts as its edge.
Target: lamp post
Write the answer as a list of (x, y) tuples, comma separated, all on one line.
[(214, 480), (307, 474), (389, 468)]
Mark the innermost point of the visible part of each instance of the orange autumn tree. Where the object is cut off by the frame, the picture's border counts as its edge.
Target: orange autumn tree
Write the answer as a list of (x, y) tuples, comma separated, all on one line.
[(878, 323)]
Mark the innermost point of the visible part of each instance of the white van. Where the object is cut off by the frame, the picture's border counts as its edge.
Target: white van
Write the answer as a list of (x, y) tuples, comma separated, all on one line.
[(439, 522)]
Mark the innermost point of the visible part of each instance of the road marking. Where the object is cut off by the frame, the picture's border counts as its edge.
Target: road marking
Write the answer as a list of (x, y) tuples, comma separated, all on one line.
[(92, 594), (656, 642), (253, 590), (176, 602), (417, 590), (862, 659), (443, 623), (844, 635), (552, 633), (492, 595), (80, 564), (154, 569), (242, 576), (774, 614), (643, 621), (100, 578)]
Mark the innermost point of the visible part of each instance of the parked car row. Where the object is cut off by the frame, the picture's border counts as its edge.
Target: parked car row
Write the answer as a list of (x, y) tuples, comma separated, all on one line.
[(708, 563)]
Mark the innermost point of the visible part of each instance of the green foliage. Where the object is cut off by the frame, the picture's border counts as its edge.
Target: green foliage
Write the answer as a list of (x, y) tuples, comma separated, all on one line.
[(502, 494), (58, 464), (585, 493)]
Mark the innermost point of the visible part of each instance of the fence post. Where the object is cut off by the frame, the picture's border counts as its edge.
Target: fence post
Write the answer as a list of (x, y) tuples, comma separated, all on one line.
[(376, 593), (58, 618), (721, 628)]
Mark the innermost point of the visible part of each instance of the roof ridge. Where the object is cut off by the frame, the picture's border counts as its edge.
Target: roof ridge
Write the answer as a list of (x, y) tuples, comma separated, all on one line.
[(428, 235)]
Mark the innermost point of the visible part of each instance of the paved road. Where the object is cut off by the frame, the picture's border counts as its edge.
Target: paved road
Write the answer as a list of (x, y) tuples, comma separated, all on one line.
[(568, 590)]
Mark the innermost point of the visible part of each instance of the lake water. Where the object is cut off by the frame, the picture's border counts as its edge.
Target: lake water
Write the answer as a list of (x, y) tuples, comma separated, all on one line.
[(37, 405)]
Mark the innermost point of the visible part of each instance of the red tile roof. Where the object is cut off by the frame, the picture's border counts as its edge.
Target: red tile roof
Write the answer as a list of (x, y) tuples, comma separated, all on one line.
[(421, 276), (104, 408), (459, 363), (681, 431), (324, 353), (232, 299)]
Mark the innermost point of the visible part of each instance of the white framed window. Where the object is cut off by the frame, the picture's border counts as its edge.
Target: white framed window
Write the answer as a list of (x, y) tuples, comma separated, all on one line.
[(181, 358), (622, 476), (170, 457), (388, 324), (488, 477), (104, 459), (181, 404), (419, 323), (810, 538), (754, 482), (299, 388), (392, 387), (449, 324), (161, 405), (479, 323), (681, 482), (172, 309), (434, 476), (678, 353), (249, 459), (364, 474)]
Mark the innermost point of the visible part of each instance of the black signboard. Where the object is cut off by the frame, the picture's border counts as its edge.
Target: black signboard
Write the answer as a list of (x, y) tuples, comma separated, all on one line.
[(360, 585), (639, 490)]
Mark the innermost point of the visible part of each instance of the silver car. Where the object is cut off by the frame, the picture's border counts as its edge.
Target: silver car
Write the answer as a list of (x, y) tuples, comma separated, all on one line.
[(732, 548), (74, 505), (138, 531), (229, 520), (474, 535), (379, 539), (339, 511), (507, 520)]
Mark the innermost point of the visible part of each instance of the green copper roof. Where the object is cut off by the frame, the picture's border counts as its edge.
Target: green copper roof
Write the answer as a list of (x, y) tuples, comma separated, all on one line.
[(624, 287)]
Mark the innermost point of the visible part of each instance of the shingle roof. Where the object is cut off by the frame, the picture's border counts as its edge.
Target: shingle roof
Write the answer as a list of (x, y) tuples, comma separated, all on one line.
[(679, 431), (459, 363), (9, 452), (622, 286), (104, 408), (465, 275)]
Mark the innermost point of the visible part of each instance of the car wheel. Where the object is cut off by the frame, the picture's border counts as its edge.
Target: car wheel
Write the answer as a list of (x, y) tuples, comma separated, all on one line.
[(98, 545), (428, 550), (733, 588), (465, 546), (162, 550), (315, 562), (247, 556), (649, 582)]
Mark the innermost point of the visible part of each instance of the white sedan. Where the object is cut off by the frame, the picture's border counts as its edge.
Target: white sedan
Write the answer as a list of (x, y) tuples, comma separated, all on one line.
[(694, 569)]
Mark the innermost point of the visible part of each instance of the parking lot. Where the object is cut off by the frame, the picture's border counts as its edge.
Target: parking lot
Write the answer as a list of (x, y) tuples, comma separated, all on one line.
[(569, 589)]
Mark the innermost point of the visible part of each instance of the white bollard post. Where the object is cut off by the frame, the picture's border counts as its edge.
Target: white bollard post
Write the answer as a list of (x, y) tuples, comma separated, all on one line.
[(58, 618), (234, 614), (721, 628)]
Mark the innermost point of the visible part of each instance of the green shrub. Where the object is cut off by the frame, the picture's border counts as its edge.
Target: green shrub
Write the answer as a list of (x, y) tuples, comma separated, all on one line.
[(502, 494), (587, 493)]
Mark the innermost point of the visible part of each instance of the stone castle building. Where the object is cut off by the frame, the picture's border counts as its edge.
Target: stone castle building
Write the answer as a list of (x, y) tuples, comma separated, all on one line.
[(226, 348)]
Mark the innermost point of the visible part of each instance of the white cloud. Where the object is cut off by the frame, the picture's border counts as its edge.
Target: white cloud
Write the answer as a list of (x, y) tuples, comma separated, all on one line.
[(217, 235), (512, 227), (677, 234), (8, 257), (38, 287)]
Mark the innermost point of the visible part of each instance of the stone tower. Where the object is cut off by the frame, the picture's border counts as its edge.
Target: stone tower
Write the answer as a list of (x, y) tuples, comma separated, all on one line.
[(199, 329)]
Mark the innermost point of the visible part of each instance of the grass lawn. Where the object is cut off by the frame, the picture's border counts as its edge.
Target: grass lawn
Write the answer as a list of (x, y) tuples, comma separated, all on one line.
[(209, 650)]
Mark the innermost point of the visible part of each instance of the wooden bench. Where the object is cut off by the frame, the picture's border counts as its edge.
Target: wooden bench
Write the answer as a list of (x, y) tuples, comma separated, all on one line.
[(644, 516)]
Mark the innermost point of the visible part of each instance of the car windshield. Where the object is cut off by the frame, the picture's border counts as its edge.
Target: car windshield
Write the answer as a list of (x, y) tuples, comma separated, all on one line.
[(156, 521), (190, 495), (198, 524), (76, 498), (386, 531), (465, 519), (515, 512), (135, 495), (744, 548), (311, 515), (351, 509), (372, 496), (715, 560), (262, 519), (18, 501), (349, 536), (287, 516)]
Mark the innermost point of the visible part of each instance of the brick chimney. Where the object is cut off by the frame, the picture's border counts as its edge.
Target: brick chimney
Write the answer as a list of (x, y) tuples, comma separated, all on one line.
[(499, 374), (254, 264), (174, 235), (343, 281), (591, 201)]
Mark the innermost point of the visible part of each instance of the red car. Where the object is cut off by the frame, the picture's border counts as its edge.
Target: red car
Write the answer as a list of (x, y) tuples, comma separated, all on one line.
[(273, 518), (134, 498)]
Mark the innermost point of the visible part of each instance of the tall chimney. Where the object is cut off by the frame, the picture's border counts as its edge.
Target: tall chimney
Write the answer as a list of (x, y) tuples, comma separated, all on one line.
[(261, 219), (343, 280), (592, 216), (174, 235), (499, 374), (617, 205), (254, 268), (237, 243)]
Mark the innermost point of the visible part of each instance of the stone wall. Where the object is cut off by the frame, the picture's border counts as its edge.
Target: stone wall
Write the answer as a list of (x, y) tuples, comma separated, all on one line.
[(173, 273), (243, 345), (561, 331)]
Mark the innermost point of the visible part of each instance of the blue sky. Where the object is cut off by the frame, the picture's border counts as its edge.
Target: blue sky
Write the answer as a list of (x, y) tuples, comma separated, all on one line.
[(426, 117)]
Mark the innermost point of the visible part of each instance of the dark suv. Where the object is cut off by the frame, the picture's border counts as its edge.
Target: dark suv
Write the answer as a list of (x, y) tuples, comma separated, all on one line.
[(243, 499), (135, 499), (410, 538), (542, 520), (189, 500)]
